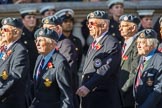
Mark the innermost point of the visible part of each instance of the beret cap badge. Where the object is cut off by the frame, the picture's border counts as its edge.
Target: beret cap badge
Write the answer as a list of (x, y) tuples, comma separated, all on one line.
[(46, 21), (40, 32), (125, 18), (5, 21), (142, 35), (91, 15)]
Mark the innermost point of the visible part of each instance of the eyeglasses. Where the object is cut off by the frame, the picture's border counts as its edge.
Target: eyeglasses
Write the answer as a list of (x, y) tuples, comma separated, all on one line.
[(5, 30), (91, 23)]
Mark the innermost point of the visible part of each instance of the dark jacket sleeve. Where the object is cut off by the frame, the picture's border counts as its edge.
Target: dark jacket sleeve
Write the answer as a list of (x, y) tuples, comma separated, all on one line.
[(63, 80), (155, 97)]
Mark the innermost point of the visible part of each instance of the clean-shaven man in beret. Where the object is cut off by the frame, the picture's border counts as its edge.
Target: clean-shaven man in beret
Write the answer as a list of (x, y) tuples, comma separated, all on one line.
[(14, 66), (100, 72), (148, 82), (51, 74), (65, 46), (128, 29)]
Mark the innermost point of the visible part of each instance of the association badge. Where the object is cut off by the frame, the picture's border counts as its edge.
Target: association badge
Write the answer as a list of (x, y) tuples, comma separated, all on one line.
[(47, 82), (97, 63)]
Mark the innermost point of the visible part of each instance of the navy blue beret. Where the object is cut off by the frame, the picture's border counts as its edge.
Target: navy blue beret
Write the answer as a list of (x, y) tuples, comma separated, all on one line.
[(98, 15), (147, 33), (13, 22), (51, 20), (130, 18), (45, 32)]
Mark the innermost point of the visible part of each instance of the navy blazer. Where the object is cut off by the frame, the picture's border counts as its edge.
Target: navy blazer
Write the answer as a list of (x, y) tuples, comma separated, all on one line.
[(103, 88), (148, 93), (14, 70), (53, 86)]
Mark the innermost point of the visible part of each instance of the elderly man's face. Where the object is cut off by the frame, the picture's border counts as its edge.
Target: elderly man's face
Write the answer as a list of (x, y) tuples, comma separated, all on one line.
[(126, 29), (95, 27), (7, 33), (143, 47), (42, 45)]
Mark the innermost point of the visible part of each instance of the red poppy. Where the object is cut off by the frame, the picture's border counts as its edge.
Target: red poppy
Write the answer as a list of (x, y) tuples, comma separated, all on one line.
[(50, 65), (125, 57), (9, 52), (98, 46)]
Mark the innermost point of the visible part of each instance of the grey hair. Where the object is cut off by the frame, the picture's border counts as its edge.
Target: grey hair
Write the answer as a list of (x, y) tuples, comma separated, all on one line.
[(152, 42)]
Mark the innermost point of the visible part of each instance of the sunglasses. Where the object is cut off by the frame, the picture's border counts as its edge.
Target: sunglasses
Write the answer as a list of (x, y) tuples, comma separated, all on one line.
[(91, 23), (5, 30)]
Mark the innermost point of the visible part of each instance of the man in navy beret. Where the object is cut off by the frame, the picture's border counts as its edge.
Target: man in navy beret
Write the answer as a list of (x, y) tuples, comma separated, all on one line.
[(14, 66), (99, 87), (52, 81), (65, 45), (128, 28), (148, 82)]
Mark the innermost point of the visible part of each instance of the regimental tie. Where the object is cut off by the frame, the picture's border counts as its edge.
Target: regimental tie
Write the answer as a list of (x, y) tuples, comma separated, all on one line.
[(93, 44), (39, 69), (123, 49), (139, 74)]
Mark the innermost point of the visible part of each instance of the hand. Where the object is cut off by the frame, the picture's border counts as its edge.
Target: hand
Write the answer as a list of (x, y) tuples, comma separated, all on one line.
[(82, 91)]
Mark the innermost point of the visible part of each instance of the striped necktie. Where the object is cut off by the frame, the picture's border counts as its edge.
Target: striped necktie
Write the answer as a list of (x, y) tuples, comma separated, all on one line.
[(139, 74), (39, 69), (123, 48), (93, 44)]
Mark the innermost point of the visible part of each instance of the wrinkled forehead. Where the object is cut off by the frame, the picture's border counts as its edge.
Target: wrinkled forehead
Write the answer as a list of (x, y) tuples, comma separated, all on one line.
[(126, 23)]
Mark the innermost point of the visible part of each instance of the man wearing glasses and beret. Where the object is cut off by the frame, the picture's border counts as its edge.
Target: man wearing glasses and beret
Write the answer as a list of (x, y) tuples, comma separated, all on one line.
[(148, 82), (100, 72), (128, 29), (14, 66), (51, 74)]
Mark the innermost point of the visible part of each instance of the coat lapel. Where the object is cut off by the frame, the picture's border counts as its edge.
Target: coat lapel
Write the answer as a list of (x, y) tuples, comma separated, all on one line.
[(45, 70), (92, 52), (132, 46), (9, 53)]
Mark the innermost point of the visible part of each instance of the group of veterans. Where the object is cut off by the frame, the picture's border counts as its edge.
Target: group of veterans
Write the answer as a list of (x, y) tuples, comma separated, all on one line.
[(39, 64)]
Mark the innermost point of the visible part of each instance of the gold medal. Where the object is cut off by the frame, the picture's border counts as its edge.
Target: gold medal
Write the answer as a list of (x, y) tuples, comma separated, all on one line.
[(47, 82), (4, 75)]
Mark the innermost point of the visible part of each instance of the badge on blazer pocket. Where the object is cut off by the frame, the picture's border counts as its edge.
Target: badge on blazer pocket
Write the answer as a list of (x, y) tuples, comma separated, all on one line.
[(47, 82), (149, 81), (4, 75)]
